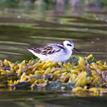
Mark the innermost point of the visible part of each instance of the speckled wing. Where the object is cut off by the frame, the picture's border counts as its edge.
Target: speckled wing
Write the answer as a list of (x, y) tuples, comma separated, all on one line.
[(36, 50), (53, 48), (49, 49)]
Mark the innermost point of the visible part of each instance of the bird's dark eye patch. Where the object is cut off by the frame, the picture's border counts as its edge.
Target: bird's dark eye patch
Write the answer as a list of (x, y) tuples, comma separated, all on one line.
[(69, 45)]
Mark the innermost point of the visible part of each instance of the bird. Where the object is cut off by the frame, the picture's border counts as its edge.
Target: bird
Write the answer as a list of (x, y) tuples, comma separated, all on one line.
[(54, 52)]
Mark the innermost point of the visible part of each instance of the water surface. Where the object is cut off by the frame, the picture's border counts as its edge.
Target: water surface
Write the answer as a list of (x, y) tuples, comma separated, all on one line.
[(17, 35), (21, 29)]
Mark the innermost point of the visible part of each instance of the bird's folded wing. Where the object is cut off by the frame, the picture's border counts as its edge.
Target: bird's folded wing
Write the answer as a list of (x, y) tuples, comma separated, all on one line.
[(49, 49)]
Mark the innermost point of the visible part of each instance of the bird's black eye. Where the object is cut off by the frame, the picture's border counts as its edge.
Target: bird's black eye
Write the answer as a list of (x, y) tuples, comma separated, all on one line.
[(69, 45)]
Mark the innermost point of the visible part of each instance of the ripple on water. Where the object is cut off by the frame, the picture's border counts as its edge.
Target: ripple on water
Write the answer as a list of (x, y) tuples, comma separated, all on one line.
[(88, 34)]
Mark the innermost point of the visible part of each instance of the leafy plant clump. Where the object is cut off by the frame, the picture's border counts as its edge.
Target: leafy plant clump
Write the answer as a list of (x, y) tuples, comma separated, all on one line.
[(80, 74)]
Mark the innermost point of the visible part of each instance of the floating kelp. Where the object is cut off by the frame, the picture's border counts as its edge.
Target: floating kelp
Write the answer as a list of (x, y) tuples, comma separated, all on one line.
[(79, 74)]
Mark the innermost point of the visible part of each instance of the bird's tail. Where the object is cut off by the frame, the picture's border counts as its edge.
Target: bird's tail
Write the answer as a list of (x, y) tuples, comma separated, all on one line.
[(34, 53)]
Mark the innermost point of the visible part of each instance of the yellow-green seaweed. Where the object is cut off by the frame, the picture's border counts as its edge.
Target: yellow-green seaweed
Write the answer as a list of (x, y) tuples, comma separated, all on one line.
[(87, 75)]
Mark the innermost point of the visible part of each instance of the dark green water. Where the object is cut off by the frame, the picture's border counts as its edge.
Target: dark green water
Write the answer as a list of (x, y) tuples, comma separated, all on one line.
[(48, 99), (89, 36), (21, 29)]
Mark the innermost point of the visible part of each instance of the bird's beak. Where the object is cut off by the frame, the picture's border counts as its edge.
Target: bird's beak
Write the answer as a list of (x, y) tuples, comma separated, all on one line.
[(76, 50)]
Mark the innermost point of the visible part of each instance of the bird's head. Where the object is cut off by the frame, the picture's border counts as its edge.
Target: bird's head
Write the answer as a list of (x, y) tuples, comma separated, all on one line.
[(68, 44)]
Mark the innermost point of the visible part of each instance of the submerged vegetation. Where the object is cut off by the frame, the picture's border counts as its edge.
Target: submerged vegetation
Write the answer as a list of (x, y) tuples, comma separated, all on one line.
[(80, 74)]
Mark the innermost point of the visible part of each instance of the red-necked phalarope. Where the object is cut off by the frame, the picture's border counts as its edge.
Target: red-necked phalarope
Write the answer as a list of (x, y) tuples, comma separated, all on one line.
[(54, 52)]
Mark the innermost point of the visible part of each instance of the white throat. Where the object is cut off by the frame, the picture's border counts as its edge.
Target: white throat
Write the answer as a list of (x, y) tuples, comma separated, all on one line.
[(68, 46)]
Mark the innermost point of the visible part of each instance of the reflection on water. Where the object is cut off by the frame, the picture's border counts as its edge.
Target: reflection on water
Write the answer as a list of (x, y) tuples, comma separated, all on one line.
[(35, 100), (43, 8), (26, 103), (79, 101)]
